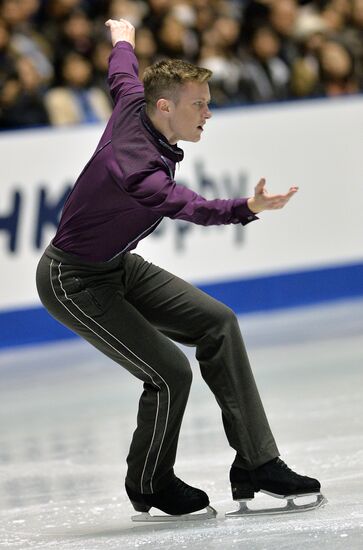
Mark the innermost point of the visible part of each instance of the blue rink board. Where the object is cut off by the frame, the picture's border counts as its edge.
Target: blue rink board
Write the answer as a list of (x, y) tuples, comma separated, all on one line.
[(264, 293)]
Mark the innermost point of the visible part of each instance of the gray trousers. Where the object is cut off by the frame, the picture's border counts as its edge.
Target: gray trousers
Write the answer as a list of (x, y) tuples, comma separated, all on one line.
[(132, 310)]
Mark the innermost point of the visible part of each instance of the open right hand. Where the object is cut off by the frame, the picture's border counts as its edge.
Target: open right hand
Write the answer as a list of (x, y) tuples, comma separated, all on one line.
[(262, 200), (121, 30)]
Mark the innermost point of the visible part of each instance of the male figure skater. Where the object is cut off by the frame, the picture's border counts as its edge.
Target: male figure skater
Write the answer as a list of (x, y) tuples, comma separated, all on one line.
[(132, 310)]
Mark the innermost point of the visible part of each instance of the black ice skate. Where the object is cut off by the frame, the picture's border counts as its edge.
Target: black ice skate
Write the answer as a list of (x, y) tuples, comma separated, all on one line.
[(177, 499), (276, 479)]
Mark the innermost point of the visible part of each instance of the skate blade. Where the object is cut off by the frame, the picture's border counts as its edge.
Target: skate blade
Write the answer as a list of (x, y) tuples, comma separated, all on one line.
[(290, 507), (210, 513)]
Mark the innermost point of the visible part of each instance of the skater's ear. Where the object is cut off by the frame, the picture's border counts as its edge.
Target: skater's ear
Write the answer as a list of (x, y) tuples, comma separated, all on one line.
[(163, 105)]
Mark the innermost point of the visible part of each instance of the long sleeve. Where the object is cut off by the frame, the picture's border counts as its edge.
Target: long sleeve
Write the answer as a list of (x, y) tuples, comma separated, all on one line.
[(123, 72), (164, 196)]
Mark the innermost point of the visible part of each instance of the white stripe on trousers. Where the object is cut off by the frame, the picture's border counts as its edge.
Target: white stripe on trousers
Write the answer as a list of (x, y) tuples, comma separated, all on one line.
[(122, 355)]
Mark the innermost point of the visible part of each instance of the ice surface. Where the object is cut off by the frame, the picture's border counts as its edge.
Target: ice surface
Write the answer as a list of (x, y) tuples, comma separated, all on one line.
[(67, 415)]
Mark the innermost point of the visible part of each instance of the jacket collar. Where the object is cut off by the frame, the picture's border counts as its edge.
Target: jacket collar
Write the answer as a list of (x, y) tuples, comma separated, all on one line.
[(173, 152)]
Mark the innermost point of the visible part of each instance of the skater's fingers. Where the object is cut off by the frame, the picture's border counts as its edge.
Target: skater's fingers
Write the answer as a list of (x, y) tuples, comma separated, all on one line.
[(260, 186)]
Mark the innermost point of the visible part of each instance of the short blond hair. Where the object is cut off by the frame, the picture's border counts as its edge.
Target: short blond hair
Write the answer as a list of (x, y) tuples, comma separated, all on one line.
[(165, 78)]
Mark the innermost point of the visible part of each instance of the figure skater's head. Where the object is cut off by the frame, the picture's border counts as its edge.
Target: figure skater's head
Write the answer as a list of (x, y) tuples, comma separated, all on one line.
[(177, 98)]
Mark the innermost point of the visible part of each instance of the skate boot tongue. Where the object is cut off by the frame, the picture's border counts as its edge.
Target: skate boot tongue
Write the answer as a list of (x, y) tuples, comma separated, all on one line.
[(275, 463)]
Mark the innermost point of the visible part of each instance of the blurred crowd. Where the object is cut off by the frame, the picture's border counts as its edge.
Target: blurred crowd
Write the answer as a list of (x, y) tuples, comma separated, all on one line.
[(54, 53)]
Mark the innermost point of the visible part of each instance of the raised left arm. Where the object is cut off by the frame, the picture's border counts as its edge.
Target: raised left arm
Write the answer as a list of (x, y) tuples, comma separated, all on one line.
[(123, 76)]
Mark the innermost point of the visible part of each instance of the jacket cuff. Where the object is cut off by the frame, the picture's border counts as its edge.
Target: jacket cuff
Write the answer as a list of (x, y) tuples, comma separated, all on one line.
[(124, 45), (241, 213)]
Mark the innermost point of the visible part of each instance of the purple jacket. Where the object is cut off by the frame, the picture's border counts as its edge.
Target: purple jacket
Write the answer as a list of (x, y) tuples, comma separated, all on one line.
[(128, 186)]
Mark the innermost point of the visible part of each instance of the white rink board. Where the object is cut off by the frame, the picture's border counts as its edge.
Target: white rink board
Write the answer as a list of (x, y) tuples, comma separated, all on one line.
[(316, 145)]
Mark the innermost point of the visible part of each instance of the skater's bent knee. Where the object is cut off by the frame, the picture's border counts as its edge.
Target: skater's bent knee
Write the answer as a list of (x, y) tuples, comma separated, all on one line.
[(185, 375), (179, 372), (225, 315)]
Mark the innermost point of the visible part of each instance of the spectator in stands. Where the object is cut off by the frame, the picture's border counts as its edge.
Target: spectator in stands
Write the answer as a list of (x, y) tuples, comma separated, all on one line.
[(176, 40), (145, 49), (337, 70), (24, 39), (13, 13), (228, 29), (133, 11), (77, 100), (76, 36), (22, 97), (219, 54), (357, 17), (310, 34), (7, 63), (205, 15), (99, 60), (59, 9), (237, 40), (283, 18), (266, 75), (353, 37), (52, 14), (336, 14), (158, 9)]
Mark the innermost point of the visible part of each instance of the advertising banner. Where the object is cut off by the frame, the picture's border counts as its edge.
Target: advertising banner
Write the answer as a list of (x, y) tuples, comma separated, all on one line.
[(315, 145)]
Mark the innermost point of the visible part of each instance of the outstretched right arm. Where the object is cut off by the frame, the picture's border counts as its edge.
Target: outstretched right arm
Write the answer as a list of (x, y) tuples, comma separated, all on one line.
[(123, 67)]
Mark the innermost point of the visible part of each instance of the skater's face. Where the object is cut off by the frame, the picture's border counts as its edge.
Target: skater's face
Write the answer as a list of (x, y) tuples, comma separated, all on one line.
[(187, 114)]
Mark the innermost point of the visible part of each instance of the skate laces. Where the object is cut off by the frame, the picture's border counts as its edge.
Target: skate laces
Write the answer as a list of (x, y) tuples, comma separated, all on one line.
[(282, 464), (183, 488)]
